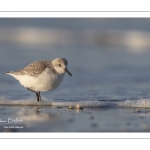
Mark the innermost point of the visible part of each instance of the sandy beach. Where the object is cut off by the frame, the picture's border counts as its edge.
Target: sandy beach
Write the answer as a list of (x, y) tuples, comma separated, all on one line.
[(63, 119)]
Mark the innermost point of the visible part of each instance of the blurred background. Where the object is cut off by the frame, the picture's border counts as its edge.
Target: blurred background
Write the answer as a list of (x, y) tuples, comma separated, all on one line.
[(108, 57)]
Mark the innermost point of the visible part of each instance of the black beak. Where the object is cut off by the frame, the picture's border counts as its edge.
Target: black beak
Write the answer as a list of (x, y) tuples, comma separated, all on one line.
[(66, 70)]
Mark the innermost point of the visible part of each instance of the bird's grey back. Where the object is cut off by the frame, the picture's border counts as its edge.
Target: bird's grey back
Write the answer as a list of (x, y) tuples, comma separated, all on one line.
[(35, 68)]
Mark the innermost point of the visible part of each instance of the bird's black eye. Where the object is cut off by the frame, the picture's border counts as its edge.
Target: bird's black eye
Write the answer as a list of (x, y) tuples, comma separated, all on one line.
[(59, 65)]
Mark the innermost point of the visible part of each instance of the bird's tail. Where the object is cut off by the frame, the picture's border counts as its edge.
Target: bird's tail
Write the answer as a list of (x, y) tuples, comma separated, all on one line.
[(8, 72)]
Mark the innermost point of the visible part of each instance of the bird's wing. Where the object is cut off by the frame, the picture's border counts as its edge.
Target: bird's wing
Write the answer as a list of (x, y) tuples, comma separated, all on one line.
[(33, 69)]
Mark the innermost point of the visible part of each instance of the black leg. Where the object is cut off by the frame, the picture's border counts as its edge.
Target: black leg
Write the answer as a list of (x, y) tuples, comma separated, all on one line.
[(38, 97)]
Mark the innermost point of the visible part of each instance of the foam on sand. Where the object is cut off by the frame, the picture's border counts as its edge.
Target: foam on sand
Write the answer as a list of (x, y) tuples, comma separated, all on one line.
[(140, 103)]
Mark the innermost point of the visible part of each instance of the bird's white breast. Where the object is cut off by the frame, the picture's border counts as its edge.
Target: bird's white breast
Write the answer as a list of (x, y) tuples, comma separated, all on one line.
[(43, 82)]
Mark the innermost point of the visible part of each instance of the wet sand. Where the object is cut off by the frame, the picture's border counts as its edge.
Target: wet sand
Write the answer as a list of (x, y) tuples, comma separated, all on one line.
[(63, 119)]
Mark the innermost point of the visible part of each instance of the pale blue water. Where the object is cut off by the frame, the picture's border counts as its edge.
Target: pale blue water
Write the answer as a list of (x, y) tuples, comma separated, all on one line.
[(102, 70)]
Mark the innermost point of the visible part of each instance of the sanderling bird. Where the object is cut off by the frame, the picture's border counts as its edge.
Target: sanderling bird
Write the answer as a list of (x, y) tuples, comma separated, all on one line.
[(42, 76)]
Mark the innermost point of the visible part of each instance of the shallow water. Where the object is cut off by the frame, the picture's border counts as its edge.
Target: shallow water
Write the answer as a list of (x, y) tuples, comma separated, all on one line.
[(62, 119), (102, 69)]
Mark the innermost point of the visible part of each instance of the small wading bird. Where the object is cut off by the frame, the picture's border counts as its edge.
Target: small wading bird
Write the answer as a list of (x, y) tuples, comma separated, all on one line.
[(42, 76)]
